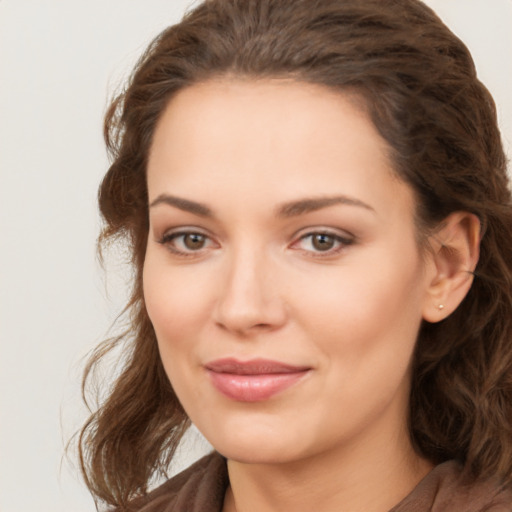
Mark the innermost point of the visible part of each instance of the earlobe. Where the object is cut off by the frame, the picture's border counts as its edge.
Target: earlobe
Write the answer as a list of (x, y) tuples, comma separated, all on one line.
[(455, 248)]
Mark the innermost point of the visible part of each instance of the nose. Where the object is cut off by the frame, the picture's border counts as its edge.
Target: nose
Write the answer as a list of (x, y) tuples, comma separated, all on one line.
[(249, 299)]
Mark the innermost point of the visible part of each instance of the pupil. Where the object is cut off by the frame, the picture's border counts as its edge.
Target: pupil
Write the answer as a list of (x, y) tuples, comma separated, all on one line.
[(323, 242), (194, 241)]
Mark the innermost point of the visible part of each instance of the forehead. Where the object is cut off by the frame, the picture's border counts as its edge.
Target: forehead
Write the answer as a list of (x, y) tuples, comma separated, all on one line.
[(283, 137)]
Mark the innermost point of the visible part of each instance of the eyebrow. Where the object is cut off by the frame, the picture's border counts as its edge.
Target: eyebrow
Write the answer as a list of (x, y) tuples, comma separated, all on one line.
[(183, 204), (290, 209), (307, 205)]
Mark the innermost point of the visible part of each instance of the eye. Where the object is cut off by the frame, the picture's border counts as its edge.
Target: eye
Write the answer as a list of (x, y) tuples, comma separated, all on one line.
[(192, 241), (322, 243), (186, 243)]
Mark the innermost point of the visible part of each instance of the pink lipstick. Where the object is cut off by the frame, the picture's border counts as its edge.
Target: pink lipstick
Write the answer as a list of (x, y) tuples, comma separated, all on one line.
[(255, 380)]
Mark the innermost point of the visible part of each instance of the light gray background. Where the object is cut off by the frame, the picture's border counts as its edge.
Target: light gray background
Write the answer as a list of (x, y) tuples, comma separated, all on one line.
[(59, 61)]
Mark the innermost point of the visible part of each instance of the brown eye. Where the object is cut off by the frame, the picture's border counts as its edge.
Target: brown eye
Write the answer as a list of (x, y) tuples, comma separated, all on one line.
[(323, 242), (187, 243), (194, 241)]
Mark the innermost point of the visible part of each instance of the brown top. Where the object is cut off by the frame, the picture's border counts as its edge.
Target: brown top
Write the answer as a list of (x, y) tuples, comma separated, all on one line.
[(201, 488)]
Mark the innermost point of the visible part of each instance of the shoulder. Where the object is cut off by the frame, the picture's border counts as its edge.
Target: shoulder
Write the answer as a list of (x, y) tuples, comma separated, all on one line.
[(200, 487), (445, 490)]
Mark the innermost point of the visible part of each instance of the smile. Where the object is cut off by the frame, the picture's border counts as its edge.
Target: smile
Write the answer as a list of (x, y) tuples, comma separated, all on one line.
[(255, 380)]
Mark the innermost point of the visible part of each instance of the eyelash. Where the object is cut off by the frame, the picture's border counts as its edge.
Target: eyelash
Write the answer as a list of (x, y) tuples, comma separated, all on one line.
[(342, 242), (168, 239)]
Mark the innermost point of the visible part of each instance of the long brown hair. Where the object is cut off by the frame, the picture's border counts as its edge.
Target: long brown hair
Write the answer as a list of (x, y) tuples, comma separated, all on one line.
[(419, 85)]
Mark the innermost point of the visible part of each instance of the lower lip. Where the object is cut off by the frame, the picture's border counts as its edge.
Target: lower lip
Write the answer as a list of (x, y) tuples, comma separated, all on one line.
[(254, 388)]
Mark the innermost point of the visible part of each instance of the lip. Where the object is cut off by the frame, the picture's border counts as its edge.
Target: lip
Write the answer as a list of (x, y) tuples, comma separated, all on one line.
[(255, 380)]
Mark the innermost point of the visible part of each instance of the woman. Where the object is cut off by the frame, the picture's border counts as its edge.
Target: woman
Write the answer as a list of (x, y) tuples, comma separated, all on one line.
[(316, 200)]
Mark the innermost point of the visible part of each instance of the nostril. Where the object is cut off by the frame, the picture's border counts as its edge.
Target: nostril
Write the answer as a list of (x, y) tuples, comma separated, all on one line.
[(244, 328)]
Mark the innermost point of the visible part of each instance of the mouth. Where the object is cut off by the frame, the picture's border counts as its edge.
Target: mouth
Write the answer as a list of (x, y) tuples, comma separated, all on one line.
[(255, 380)]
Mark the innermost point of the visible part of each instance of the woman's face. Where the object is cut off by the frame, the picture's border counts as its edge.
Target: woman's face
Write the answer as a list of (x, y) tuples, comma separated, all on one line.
[(282, 273)]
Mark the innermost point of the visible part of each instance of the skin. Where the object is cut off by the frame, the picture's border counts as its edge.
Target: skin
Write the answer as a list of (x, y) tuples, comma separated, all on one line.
[(254, 285)]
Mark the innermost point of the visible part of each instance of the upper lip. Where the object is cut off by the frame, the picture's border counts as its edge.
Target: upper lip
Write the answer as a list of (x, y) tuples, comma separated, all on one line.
[(252, 367)]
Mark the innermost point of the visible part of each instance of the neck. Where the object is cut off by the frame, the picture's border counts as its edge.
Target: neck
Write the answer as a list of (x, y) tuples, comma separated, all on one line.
[(371, 476)]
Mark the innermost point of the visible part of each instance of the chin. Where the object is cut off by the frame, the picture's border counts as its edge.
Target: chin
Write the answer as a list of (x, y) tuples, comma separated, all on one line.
[(256, 445), (256, 454)]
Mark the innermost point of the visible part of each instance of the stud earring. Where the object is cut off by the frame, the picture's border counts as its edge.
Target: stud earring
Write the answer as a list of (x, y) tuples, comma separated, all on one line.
[(441, 306)]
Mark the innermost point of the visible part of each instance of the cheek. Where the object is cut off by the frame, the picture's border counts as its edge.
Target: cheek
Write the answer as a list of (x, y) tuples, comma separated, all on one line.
[(176, 301), (364, 323), (177, 307), (368, 307)]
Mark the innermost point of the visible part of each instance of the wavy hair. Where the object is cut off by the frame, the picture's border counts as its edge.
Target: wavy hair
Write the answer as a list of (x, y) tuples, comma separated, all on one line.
[(418, 83)]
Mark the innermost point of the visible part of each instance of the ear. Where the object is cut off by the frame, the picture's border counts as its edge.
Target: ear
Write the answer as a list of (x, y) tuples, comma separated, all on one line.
[(455, 248)]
